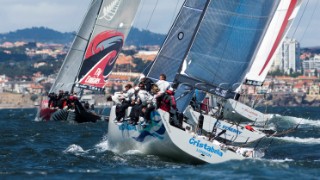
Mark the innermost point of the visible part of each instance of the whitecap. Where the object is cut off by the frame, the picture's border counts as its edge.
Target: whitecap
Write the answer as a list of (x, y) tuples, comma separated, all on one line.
[(281, 160), (75, 149), (133, 152), (301, 140), (297, 120)]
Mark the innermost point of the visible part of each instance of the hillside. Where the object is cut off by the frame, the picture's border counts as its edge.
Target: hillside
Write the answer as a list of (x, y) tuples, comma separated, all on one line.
[(37, 34), (45, 35)]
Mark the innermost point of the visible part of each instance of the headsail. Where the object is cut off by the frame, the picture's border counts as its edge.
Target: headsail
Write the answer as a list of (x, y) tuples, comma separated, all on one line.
[(97, 45), (274, 36), (178, 40)]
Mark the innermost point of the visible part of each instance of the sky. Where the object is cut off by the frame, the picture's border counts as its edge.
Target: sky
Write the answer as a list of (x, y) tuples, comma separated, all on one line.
[(66, 16)]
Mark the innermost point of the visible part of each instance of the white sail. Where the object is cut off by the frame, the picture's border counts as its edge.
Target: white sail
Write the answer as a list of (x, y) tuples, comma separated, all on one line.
[(262, 61), (273, 37)]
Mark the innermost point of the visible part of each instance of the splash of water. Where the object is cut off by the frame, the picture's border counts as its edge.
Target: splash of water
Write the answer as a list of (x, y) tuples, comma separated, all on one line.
[(75, 149), (103, 145)]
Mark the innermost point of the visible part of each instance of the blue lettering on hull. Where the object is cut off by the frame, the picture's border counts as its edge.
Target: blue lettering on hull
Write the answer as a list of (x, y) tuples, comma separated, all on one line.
[(229, 128), (204, 148)]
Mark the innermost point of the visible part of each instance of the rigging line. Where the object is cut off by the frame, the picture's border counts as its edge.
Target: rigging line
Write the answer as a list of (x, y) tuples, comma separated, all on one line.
[(314, 10), (303, 13), (152, 14), (138, 16)]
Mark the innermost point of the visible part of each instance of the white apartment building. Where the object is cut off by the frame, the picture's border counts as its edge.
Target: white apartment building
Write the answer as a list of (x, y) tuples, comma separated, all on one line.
[(311, 65), (287, 57)]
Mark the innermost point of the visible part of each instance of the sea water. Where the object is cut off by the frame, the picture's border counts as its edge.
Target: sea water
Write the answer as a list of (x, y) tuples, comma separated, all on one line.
[(62, 150)]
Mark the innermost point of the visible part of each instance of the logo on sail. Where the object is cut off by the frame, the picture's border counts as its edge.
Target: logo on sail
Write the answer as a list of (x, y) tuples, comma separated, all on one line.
[(110, 10), (100, 56)]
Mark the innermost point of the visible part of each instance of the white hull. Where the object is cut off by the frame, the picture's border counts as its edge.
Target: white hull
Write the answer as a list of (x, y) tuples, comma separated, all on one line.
[(160, 138), (153, 139), (234, 133), (242, 113)]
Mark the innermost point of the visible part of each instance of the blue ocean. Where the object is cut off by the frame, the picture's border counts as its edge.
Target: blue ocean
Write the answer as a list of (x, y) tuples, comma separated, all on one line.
[(62, 150)]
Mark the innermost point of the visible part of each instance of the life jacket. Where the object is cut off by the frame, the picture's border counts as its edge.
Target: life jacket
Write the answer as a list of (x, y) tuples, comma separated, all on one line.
[(64, 103), (168, 101)]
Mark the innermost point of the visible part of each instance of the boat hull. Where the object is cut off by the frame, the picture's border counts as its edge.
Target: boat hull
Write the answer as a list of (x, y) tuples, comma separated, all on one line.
[(199, 147), (233, 132), (153, 139), (242, 113), (162, 139), (79, 115), (44, 112)]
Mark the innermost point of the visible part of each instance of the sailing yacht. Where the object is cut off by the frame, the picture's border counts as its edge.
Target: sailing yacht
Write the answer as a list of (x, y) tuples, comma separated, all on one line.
[(211, 46), (92, 55), (261, 62)]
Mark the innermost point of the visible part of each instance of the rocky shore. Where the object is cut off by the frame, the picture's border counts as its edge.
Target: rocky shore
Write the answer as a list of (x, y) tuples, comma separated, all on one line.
[(282, 100), (11, 100)]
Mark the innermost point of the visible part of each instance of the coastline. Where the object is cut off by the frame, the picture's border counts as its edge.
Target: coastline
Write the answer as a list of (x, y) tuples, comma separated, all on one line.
[(16, 101), (23, 101), (18, 107)]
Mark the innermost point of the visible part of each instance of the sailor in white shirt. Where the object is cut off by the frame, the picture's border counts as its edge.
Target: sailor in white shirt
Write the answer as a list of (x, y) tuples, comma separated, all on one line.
[(162, 83)]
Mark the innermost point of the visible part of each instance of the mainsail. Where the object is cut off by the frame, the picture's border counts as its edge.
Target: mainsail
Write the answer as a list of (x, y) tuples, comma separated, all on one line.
[(226, 42), (212, 44), (97, 45)]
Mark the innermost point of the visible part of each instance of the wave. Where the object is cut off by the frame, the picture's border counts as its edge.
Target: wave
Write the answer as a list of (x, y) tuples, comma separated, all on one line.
[(133, 152), (281, 160), (75, 149), (103, 146), (300, 140), (296, 120)]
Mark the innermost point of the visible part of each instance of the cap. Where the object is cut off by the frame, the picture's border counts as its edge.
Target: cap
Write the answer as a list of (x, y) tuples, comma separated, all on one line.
[(141, 77)]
